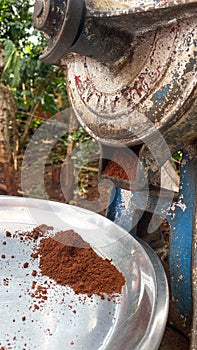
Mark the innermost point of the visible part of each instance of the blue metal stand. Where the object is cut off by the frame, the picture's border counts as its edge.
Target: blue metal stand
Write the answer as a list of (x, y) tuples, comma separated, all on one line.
[(181, 217), (181, 238)]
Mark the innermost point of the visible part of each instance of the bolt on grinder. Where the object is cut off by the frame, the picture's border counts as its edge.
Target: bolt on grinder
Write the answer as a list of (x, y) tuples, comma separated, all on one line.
[(131, 75)]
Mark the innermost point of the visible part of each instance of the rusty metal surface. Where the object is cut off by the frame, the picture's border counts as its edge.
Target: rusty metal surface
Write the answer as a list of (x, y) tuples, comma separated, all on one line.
[(103, 30), (136, 72), (156, 88)]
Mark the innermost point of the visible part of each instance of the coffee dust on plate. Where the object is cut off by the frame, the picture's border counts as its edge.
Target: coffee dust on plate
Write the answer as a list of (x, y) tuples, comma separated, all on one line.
[(66, 259), (69, 260)]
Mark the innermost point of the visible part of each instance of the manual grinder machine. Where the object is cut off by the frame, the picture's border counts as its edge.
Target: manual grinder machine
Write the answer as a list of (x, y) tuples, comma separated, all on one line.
[(131, 74)]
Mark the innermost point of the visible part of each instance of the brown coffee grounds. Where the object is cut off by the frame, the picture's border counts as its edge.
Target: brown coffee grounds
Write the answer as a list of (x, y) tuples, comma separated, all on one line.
[(122, 165), (34, 255), (40, 293), (48, 331), (25, 265), (33, 284), (115, 170), (6, 281), (36, 307), (8, 234), (37, 232), (69, 260)]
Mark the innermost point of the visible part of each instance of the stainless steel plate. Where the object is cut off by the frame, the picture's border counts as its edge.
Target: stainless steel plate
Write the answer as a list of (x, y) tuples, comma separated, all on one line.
[(135, 321)]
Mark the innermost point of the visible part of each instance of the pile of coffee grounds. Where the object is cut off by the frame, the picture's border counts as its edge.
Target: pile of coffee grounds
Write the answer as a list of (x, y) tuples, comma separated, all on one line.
[(70, 261), (113, 169), (121, 166)]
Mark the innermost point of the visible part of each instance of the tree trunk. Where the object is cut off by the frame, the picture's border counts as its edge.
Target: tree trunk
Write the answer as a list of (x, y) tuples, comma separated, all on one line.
[(8, 135)]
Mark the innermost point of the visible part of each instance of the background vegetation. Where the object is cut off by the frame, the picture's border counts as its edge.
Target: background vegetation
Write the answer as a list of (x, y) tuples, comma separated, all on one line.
[(38, 89)]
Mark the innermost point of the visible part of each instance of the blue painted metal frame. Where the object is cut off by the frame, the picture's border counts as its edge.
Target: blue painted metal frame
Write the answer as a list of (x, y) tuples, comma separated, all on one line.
[(181, 238), (120, 210), (181, 219)]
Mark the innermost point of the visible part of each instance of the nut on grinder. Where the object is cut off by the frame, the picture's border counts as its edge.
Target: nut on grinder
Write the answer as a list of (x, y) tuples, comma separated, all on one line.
[(131, 75)]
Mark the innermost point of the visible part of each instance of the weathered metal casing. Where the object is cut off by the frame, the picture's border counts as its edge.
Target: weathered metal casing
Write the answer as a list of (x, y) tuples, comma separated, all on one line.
[(131, 66)]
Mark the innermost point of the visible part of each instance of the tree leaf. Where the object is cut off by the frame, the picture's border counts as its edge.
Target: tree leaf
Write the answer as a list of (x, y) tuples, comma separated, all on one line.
[(11, 72)]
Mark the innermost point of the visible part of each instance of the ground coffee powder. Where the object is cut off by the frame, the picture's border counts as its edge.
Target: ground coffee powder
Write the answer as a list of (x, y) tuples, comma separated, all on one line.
[(123, 165), (69, 260)]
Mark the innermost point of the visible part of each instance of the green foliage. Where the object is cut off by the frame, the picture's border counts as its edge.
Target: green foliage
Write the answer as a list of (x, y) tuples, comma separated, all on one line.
[(39, 89), (79, 135), (177, 158), (11, 73), (15, 21), (86, 152), (84, 149)]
